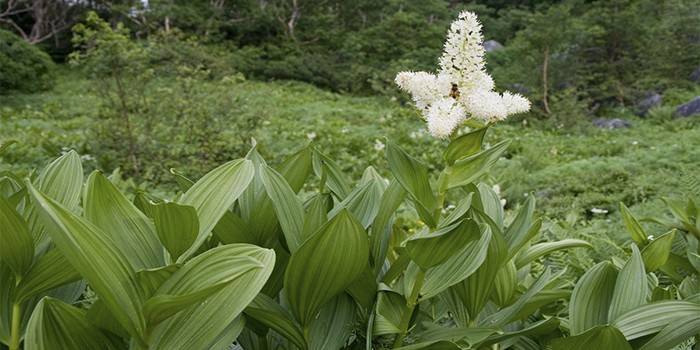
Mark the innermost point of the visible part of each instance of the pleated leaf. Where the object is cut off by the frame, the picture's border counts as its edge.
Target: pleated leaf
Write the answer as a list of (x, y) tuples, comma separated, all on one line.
[(381, 227), (51, 270), (433, 248), (288, 207), (130, 229), (541, 249), (599, 337), (466, 170), (97, 257), (465, 145), (201, 325), (325, 265), (632, 225), (177, 226), (651, 318), (297, 167), (363, 201), (390, 307), (57, 325), (214, 194), (631, 286), (326, 168), (509, 314), (590, 301), (657, 252), (17, 248), (522, 229), (678, 331), (413, 176), (334, 325), (197, 279), (269, 313)]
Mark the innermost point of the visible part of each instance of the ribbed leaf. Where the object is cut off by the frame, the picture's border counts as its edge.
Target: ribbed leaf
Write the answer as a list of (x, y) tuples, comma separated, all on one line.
[(460, 265), (151, 279), (390, 308), (430, 249), (17, 248), (466, 170), (657, 252), (297, 167), (651, 318), (505, 284), (57, 325), (326, 168), (631, 286), (465, 145), (325, 265), (334, 325), (231, 228), (288, 207), (51, 270), (381, 227), (268, 312), (96, 256), (488, 202), (459, 211), (316, 213), (200, 326), (590, 301), (62, 181), (600, 337), (541, 249), (522, 229), (177, 226), (132, 232), (633, 227), (508, 314), (363, 201), (197, 279), (214, 194), (413, 176), (679, 330)]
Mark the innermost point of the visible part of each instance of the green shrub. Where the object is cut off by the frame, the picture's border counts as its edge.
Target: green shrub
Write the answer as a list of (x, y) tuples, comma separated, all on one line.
[(23, 67)]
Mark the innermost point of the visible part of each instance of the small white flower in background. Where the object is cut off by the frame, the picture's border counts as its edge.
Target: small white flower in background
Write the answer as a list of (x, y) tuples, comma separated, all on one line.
[(650, 237), (496, 188), (311, 135), (599, 211), (462, 88), (379, 145), (635, 143)]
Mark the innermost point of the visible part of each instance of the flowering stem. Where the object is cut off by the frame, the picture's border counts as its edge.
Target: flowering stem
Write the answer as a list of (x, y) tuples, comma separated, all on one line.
[(16, 325), (411, 303)]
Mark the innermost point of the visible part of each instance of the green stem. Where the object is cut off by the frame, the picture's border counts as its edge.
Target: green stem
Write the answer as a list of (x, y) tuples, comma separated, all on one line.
[(442, 191), (411, 303), (16, 326)]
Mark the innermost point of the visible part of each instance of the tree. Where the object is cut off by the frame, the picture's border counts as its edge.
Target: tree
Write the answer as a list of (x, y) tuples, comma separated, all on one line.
[(37, 20)]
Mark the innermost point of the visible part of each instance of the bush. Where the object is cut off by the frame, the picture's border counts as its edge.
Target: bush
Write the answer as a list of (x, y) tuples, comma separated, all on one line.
[(23, 67)]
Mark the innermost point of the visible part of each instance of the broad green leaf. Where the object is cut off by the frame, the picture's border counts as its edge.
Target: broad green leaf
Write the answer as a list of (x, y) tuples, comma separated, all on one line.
[(657, 252), (465, 145), (334, 324), (543, 327), (100, 316), (466, 170), (197, 279), (382, 225), (182, 181), (335, 179), (462, 336), (17, 248), (150, 280), (651, 318), (95, 254), (48, 272), (268, 312), (633, 227), (430, 249), (459, 211), (505, 284), (508, 314), (177, 226), (390, 307), (522, 229), (541, 249), (590, 301), (488, 202), (631, 286), (62, 181), (325, 264), (297, 167), (460, 265), (600, 337), (200, 326), (288, 207), (678, 331), (231, 228), (413, 176), (214, 194), (363, 201), (229, 335), (316, 214), (132, 232), (57, 325)]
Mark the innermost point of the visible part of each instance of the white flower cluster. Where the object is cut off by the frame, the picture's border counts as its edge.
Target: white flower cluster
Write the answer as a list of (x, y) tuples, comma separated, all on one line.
[(461, 88)]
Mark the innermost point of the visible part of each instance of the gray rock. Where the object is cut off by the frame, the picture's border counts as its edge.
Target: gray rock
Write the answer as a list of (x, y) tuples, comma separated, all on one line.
[(492, 45), (690, 108), (695, 75), (615, 123), (650, 101)]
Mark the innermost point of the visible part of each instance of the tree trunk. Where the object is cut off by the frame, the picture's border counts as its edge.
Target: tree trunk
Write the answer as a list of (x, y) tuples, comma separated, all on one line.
[(545, 84)]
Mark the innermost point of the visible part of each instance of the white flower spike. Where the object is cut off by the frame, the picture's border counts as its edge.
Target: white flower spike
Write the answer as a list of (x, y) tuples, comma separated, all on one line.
[(462, 88)]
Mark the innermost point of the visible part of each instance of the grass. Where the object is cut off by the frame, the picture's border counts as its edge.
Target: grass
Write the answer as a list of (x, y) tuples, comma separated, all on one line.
[(571, 170)]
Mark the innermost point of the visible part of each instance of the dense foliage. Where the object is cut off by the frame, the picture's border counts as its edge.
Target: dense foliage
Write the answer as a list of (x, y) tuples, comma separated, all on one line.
[(23, 67)]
